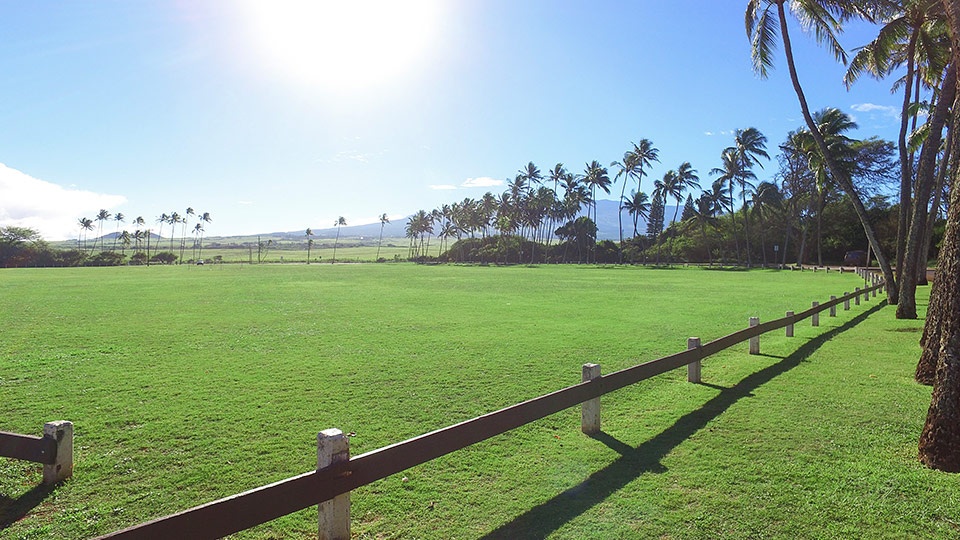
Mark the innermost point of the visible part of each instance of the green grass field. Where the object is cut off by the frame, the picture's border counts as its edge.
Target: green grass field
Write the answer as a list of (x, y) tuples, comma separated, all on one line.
[(187, 384)]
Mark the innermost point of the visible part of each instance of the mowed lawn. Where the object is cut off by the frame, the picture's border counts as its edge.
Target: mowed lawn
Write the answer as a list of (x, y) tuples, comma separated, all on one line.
[(187, 384)]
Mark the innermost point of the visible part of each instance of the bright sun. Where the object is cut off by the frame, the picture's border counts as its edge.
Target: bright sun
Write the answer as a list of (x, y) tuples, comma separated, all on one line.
[(343, 46)]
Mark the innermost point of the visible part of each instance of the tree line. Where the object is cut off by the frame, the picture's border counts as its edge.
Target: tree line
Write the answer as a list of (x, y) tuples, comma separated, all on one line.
[(23, 246)]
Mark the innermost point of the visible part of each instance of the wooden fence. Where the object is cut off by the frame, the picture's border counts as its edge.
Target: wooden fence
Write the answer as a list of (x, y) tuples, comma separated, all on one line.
[(337, 473), (54, 449)]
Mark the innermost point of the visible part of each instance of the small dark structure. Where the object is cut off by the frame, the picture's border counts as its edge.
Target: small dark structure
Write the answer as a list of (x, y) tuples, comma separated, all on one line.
[(855, 258)]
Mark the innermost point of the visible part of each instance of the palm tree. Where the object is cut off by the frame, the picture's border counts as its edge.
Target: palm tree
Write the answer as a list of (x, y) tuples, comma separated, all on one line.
[(684, 178), (638, 205), (766, 199), (138, 222), (731, 172), (596, 176), (825, 18), (832, 124), (197, 232), (118, 217), (183, 230), (124, 242), (627, 169), (86, 224), (173, 220), (102, 216), (662, 188), (383, 221), (341, 221), (309, 235), (913, 34), (164, 218), (749, 146), (204, 218)]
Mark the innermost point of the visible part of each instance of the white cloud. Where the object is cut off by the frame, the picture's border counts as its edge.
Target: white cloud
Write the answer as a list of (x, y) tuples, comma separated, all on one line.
[(481, 182), (885, 110), (50, 209), (708, 133), (442, 186)]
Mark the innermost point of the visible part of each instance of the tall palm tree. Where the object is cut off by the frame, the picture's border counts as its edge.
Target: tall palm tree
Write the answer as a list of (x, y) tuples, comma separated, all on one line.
[(661, 189), (766, 200), (185, 220), (197, 233), (627, 168), (164, 218), (763, 19), (684, 178), (309, 235), (749, 145), (118, 217), (204, 218), (173, 220), (732, 173), (102, 216), (383, 221), (596, 176), (86, 224), (341, 221), (913, 34)]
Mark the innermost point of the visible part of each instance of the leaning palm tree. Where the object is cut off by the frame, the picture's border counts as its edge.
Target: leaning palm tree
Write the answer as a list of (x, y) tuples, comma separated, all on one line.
[(309, 235), (764, 19), (173, 220), (341, 221), (383, 221)]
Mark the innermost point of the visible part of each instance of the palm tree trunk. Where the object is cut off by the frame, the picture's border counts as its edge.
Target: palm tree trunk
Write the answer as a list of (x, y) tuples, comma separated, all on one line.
[(746, 226), (838, 175), (907, 306), (945, 166), (906, 163)]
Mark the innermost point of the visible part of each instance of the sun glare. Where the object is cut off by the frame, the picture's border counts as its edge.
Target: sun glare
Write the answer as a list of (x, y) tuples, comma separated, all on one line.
[(343, 46)]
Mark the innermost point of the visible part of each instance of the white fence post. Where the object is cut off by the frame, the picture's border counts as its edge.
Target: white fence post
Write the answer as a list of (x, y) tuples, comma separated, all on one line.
[(856, 297), (833, 307), (693, 368), (846, 301), (816, 316), (755, 340), (590, 409), (790, 326), (61, 469), (334, 515)]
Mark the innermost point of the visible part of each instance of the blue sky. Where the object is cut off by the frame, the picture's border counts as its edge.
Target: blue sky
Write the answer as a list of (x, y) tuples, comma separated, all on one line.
[(277, 117)]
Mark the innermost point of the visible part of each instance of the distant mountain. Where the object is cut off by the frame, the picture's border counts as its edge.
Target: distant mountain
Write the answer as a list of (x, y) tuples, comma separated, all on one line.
[(607, 226)]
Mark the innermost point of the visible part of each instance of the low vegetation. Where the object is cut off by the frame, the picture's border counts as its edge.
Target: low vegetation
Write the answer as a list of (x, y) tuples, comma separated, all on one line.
[(202, 382)]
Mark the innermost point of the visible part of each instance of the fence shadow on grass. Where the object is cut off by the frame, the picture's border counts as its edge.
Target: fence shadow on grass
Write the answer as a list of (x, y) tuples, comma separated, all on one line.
[(12, 510), (542, 520)]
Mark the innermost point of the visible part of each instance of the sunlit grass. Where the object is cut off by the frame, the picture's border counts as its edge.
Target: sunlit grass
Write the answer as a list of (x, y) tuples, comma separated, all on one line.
[(189, 383)]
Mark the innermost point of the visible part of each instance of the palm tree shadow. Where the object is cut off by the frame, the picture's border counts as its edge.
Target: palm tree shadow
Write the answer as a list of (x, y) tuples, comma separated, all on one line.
[(12, 510), (542, 520)]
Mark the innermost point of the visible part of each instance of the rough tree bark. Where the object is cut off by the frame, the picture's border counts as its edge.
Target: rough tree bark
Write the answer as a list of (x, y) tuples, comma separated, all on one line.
[(926, 178), (939, 446)]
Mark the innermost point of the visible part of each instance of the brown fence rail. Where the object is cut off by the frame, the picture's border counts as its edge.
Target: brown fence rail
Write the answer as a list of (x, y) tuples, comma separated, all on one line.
[(54, 449), (28, 447), (260, 505)]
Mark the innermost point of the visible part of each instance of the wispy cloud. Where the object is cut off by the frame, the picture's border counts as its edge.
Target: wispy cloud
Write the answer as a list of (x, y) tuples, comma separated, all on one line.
[(50, 209), (481, 182), (877, 110), (351, 155)]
